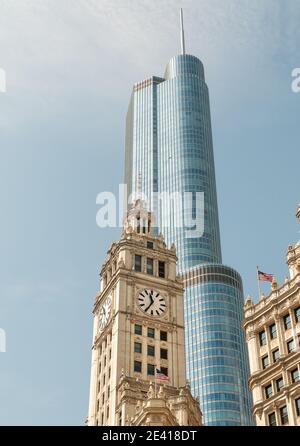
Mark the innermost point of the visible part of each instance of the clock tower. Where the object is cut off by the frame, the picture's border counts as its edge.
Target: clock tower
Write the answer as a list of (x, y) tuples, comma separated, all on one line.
[(138, 355)]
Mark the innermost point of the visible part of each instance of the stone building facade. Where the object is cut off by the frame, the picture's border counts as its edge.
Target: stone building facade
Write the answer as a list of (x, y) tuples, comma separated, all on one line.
[(273, 337)]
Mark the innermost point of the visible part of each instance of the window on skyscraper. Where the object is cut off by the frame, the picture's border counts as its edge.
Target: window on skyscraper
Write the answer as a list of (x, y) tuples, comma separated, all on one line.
[(276, 355), (268, 391), (150, 350), (265, 361), (284, 418), (297, 314), (161, 269), (150, 266), (295, 375), (272, 419), (164, 353), (163, 336), (279, 384), (273, 331), (137, 329), (290, 346), (137, 366), (262, 338), (287, 322), (138, 263), (137, 347), (150, 369), (297, 404), (151, 332)]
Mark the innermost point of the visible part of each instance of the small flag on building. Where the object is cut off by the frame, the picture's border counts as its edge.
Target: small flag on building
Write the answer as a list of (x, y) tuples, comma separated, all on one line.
[(161, 376), (265, 277)]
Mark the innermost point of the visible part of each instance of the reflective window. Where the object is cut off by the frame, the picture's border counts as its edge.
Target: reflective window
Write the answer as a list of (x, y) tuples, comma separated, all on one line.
[(272, 419), (276, 355), (284, 418), (137, 366), (279, 384), (151, 332), (150, 350), (290, 346), (268, 391), (138, 329), (138, 263), (262, 338), (297, 404), (295, 375), (287, 322), (137, 347), (149, 266), (150, 369), (273, 331), (265, 361)]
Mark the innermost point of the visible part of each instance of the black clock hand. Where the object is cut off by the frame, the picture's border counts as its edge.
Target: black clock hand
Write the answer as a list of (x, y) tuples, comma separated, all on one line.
[(151, 303)]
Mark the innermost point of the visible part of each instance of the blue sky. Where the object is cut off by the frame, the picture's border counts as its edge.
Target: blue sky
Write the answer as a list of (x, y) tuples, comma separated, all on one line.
[(70, 68)]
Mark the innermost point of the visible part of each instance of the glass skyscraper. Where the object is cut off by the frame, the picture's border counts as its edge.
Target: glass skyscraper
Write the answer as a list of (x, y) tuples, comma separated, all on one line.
[(169, 151)]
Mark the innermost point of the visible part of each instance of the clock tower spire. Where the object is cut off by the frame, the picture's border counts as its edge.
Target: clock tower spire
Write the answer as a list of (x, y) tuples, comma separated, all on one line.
[(138, 355)]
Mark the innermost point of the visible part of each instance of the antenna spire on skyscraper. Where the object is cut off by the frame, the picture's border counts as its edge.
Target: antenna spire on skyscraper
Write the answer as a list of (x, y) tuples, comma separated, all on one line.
[(182, 33)]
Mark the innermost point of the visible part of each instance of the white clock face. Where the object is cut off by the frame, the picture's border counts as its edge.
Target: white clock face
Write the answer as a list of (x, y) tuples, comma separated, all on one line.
[(104, 313), (151, 302)]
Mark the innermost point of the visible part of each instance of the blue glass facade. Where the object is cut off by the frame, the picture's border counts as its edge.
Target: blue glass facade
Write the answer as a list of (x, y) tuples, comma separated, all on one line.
[(169, 150)]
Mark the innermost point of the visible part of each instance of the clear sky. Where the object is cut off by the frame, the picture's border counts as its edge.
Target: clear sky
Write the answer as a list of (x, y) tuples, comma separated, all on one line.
[(70, 67)]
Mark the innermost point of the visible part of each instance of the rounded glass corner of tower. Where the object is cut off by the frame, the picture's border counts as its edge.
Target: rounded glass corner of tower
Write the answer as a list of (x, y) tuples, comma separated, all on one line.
[(184, 64)]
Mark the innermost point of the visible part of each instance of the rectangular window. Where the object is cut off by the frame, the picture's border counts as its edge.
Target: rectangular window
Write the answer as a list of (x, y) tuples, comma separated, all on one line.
[(275, 355), (138, 263), (164, 353), (262, 338), (290, 346), (268, 391), (137, 347), (150, 245), (151, 350), (150, 266), (297, 314), (272, 419), (151, 332), (265, 361), (273, 331), (161, 269), (284, 418), (287, 322), (297, 404), (163, 336), (151, 369), (164, 370), (138, 329), (279, 384), (295, 375), (137, 366)]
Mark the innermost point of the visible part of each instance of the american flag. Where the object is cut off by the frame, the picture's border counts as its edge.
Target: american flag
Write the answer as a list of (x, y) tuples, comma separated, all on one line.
[(264, 276), (161, 376)]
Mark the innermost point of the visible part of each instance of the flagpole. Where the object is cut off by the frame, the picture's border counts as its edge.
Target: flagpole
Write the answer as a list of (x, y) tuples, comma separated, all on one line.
[(155, 383), (258, 284)]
